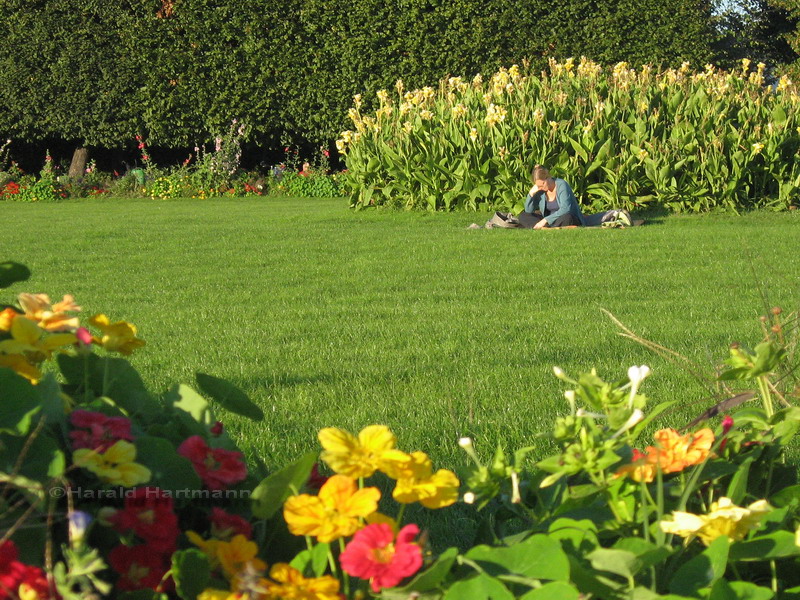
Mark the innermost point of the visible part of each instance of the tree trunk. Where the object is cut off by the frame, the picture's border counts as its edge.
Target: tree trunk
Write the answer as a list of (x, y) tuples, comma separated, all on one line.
[(78, 164)]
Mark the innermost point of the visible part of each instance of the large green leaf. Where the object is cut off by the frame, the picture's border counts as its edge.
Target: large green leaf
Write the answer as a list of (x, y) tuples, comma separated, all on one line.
[(538, 557), (229, 396), (480, 587), (169, 470), (555, 590), (777, 544), (269, 495), (186, 399), (431, 577), (702, 570), (19, 402), (191, 572)]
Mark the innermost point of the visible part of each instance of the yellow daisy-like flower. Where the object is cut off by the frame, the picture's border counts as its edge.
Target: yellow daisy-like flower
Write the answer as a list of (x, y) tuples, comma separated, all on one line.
[(356, 457), (117, 337), (758, 147), (115, 466), (416, 482), (291, 585), (335, 513), (724, 518)]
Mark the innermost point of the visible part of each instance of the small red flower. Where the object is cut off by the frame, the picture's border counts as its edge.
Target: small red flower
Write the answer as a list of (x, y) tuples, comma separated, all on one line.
[(216, 429), (138, 566), (218, 468), (224, 526), (103, 431), (727, 424), (148, 512), (14, 574), (375, 554)]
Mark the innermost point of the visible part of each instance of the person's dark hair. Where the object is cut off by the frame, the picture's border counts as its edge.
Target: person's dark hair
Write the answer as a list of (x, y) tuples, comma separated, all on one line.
[(539, 173)]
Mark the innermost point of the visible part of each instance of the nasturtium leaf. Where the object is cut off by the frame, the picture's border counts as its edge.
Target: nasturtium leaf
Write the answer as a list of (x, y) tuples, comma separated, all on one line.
[(431, 577), (777, 544), (188, 400), (480, 587), (19, 402), (269, 495), (169, 470), (191, 571), (316, 558), (702, 570), (229, 396), (555, 590), (538, 557)]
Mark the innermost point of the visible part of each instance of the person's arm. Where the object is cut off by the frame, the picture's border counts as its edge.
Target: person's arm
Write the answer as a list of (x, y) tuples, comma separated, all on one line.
[(566, 201), (531, 201)]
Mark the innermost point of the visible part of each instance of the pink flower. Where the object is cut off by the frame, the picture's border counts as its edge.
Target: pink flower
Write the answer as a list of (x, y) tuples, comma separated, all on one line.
[(96, 431), (727, 424), (224, 526), (218, 468), (374, 554), (84, 336)]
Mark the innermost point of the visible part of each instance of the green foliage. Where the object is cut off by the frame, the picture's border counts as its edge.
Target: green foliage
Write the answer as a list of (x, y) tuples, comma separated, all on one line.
[(310, 185), (680, 140), (101, 72)]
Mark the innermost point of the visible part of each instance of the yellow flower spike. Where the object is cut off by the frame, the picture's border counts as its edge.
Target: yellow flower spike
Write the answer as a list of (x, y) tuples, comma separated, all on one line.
[(355, 457), (292, 584), (115, 466), (335, 513), (724, 518), (117, 337)]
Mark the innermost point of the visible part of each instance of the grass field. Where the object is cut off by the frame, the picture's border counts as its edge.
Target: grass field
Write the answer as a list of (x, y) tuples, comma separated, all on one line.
[(328, 317)]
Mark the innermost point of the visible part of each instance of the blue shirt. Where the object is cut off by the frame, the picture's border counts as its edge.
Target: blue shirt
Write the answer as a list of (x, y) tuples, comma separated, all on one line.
[(565, 197)]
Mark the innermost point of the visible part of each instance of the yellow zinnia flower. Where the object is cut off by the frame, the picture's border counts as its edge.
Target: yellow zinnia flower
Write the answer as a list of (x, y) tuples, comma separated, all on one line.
[(117, 337), (334, 513), (724, 518), (292, 585), (115, 465), (356, 457), (416, 482)]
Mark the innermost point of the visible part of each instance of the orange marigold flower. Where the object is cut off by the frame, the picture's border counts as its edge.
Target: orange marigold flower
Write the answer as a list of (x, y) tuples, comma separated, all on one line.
[(672, 453)]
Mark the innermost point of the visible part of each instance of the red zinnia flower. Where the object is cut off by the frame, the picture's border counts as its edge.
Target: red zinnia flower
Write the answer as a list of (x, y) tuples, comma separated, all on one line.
[(225, 526), (139, 567), (218, 468), (149, 514), (103, 431), (374, 554)]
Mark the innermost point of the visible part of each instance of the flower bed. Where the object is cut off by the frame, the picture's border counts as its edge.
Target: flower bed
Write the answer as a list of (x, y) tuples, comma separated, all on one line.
[(109, 490)]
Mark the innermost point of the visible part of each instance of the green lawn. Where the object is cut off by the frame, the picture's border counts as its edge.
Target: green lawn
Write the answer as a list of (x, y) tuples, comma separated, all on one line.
[(330, 317)]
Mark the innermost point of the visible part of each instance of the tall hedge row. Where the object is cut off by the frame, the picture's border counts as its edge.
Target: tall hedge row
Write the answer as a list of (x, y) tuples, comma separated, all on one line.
[(178, 71)]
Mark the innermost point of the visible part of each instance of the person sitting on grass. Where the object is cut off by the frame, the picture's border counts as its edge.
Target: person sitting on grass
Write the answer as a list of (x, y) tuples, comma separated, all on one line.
[(550, 203)]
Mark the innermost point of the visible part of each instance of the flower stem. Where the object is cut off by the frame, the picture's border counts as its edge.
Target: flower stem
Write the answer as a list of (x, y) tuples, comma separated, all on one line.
[(345, 576)]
